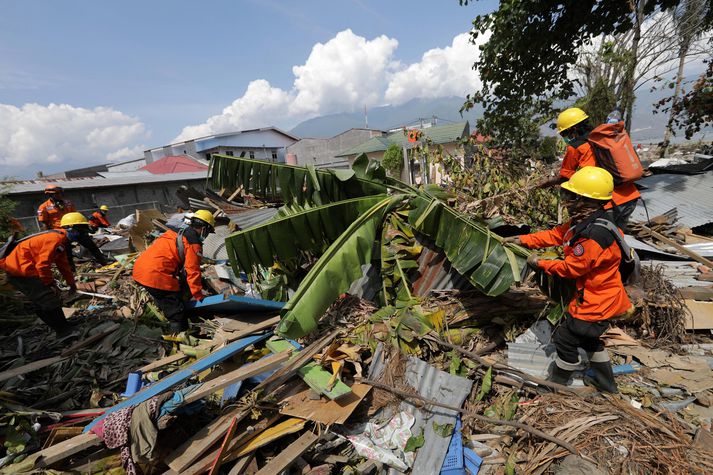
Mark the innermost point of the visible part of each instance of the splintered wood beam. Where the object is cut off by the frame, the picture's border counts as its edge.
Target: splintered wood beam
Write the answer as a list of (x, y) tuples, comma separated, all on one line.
[(288, 456)]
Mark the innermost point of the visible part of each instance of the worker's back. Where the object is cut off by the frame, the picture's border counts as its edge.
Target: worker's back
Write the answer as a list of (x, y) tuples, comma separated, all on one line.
[(33, 256), (158, 266)]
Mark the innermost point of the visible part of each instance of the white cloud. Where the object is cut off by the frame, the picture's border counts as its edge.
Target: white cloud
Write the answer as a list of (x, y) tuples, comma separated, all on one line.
[(340, 75), (345, 74), (441, 72), (35, 135)]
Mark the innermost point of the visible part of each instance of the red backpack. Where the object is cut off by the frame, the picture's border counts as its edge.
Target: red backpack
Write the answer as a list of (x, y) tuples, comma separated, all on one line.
[(615, 153)]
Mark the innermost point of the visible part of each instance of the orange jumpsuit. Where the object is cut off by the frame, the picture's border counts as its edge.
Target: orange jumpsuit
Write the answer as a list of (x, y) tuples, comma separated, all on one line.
[(34, 257), (51, 214), (159, 266), (593, 261), (580, 154), (98, 220)]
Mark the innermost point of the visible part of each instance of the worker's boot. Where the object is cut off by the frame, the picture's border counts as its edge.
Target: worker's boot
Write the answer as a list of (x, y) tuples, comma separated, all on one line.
[(54, 319), (602, 376), (561, 372)]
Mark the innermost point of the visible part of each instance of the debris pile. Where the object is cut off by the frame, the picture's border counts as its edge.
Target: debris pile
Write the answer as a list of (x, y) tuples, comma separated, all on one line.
[(352, 331)]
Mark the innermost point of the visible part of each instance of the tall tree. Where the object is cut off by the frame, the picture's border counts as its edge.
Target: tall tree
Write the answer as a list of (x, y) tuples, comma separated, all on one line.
[(688, 18), (533, 46)]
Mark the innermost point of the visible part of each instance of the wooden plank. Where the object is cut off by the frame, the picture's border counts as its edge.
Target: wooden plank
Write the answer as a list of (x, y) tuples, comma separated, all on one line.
[(182, 375), (218, 459), (204, 463), (188, 452), (163, 362), (244, 372), (287, 427), (59, 452), (300, 404), (39, 364), (680, 248), (242, 464), (289, 455), (697, 293), (700, 316)]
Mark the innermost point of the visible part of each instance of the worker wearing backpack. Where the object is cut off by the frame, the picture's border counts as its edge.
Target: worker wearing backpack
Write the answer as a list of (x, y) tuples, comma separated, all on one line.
[(28, 264), (592, 258), (173, 257), (607, 146)]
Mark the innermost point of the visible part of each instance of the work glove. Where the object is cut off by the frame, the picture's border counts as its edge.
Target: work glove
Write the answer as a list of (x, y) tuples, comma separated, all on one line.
[(512, 240), (532, 261)]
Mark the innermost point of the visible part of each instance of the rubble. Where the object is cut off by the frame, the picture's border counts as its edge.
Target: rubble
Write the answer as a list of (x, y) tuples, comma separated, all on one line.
[(448, 374)]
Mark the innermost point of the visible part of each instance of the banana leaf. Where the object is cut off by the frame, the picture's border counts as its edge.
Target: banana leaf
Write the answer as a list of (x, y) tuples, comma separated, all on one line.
[(282, 239), (473, 250), (299, 185), (340, 265)]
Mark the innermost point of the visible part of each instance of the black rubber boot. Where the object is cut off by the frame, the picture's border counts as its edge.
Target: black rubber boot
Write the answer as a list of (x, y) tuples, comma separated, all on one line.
[(559, 375), (603, 378), (54, 319)]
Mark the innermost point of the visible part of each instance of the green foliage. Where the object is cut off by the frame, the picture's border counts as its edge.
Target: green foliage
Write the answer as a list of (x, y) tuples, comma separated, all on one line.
[(415, 442), (299, 185), (598, 103), (393, 160), (6, 208), (404, 323), (485, 385), (444, 430), (694, 111), (533, 44)]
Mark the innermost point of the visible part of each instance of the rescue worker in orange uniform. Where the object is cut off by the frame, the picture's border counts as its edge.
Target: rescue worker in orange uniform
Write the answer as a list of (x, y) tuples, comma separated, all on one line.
[(98, 218), (592, 258), (164, 267), (29, 268), (574, 126), (50, 213)]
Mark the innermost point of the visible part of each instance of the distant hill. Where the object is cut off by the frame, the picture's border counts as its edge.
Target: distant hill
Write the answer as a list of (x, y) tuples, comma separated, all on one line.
[(386, 117), (648, 127)]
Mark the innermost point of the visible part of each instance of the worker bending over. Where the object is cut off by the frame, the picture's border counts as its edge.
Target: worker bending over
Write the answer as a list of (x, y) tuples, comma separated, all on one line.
[(98, 218), (574, 126), (592, 258), (171, 262), (29, 268), (50, 214)]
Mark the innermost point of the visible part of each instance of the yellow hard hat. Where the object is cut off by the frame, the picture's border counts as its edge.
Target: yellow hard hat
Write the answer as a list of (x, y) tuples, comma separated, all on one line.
[(104, 208), (72, 219), (591, 182), (570, 117), (205, 216)]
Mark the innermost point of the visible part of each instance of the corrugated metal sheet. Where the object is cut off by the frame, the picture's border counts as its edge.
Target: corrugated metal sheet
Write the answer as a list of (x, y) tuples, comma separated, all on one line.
[(248, 219), (430, 383), (691, 195), (680, 273), (34, 186), (435, 272)]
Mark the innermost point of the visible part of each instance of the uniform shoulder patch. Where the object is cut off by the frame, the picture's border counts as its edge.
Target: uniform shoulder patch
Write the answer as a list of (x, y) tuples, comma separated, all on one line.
[(578, 250)]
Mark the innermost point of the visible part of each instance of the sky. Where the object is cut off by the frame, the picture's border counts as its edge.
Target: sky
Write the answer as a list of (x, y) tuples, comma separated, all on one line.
[(83, 82)]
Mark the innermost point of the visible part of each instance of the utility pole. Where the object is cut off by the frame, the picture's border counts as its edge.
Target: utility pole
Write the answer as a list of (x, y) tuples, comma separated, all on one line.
[(366, 119)]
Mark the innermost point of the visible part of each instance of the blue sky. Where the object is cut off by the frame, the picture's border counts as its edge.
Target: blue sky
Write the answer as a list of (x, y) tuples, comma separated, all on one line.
[(155, 67)]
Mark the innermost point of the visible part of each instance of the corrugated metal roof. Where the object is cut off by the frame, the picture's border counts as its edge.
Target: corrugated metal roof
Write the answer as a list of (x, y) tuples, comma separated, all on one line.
[(174, 164), (33, 186), (439, 135), (248, 219), (691, 195)]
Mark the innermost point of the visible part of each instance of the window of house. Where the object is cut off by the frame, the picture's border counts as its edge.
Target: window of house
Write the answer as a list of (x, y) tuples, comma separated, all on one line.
[(229, 153), (242, 154), (252, 154), (274, 154)]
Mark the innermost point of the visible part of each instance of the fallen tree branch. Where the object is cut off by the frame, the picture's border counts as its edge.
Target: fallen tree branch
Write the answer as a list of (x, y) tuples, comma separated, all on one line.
[(474, 415), (513, 371)]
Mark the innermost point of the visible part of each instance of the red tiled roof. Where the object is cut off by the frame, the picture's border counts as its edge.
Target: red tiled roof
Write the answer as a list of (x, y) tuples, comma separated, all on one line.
[(174, 164)]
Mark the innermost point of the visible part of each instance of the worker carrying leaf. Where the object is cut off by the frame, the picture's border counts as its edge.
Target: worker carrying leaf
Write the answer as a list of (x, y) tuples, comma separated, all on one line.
[(98, 218), (592, 257), (172, 257), (28, 264), (607, 146), (50, 214)]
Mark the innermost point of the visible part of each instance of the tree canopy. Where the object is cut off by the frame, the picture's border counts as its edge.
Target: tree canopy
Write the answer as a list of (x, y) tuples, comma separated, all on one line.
[(532, 47)]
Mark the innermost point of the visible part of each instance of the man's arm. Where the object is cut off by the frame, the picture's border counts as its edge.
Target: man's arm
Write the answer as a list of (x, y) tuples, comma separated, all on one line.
[(548, 238)]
